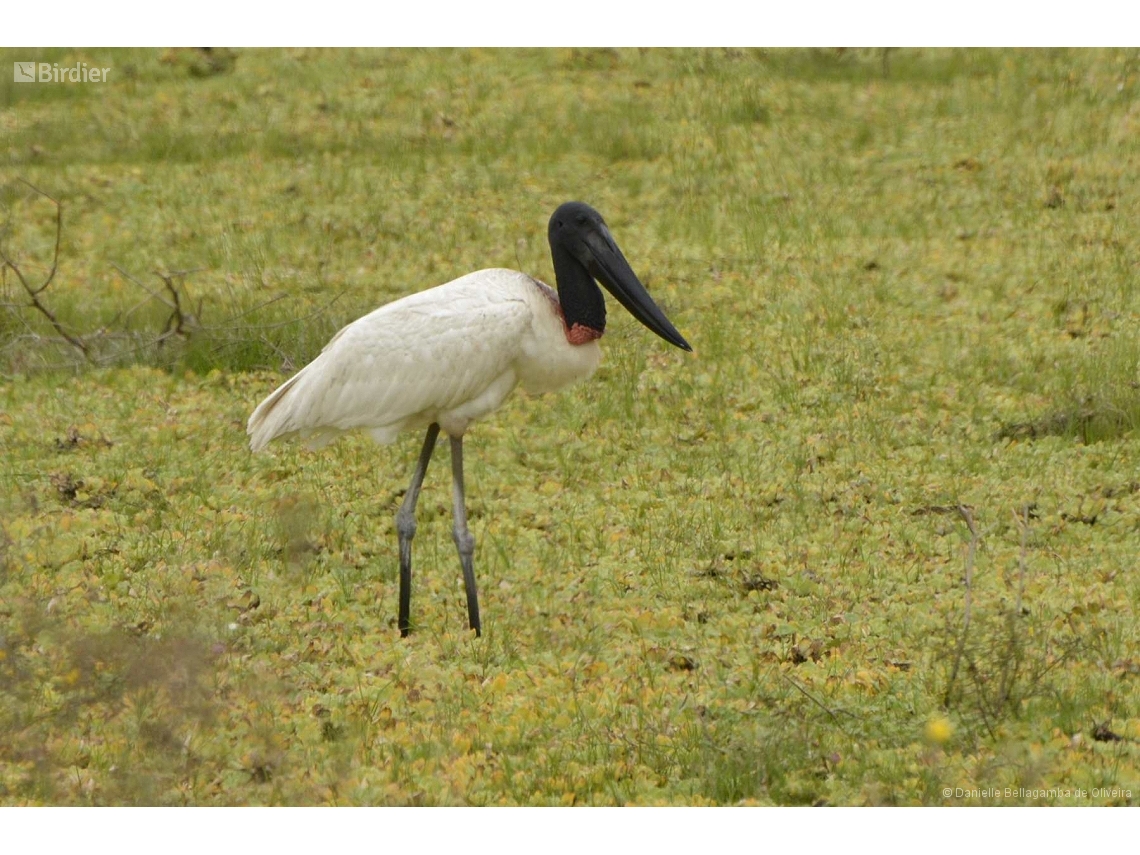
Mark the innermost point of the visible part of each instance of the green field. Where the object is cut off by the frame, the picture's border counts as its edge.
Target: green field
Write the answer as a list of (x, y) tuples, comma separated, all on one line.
[(876, 538)]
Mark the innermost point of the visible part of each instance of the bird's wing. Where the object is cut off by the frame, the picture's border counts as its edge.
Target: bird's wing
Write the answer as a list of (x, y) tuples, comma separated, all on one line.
[(421, 355)]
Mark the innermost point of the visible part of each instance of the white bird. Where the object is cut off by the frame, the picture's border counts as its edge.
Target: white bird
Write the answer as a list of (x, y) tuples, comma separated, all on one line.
[(445, 357)]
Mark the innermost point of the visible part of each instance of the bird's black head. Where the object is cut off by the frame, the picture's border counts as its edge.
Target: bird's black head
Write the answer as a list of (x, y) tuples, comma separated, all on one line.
[(571, 219), (584, 251)]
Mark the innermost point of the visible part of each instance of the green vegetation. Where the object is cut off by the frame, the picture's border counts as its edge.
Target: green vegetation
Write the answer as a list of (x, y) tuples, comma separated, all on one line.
[(875, 539)]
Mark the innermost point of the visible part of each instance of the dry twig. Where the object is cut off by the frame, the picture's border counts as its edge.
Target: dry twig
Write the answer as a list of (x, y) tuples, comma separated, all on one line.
[(114, 340), (180, 323), (1009, 673), (964, 512), (34, 291)]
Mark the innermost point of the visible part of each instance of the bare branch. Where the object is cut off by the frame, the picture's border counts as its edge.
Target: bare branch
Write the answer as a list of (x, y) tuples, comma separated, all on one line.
[(34, 292), (180, 321), (971, 553), (1021, 560), (58, 234), (286, 362), (1013, 659), (277, 325), (132, 279), (114, 340), (121, 316), (177, 320)]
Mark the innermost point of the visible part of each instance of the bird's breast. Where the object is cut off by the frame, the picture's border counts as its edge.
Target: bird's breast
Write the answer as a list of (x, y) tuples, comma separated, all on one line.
[(553, 357)]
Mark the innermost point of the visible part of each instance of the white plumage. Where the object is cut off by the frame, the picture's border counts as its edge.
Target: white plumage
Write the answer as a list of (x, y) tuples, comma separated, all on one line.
[(448, 355), (442, 358)]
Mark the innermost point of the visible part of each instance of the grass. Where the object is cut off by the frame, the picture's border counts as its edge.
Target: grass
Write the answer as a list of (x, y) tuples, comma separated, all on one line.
[(737, 577)]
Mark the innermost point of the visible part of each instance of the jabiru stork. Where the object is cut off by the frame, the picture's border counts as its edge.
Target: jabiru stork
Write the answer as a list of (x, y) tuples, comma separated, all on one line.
[(447, 356)]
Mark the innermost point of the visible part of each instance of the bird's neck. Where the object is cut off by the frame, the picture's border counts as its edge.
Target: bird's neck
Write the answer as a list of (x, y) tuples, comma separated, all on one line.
[(580, 299)]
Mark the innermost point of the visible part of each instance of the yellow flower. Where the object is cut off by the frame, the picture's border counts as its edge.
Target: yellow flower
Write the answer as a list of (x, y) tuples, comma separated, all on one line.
[(939, 730)]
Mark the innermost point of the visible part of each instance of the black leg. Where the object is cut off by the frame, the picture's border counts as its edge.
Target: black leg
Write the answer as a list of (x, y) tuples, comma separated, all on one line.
[(406, 529), (464, 541)]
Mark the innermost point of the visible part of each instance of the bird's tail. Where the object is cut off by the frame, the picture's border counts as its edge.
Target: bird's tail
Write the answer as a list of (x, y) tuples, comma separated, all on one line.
[(271, 419)]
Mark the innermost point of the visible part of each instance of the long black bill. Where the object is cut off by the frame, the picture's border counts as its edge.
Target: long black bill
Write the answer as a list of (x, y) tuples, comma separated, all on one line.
[(610, 268)]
